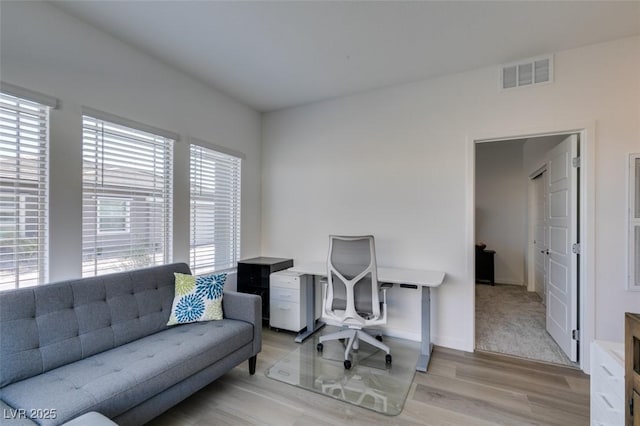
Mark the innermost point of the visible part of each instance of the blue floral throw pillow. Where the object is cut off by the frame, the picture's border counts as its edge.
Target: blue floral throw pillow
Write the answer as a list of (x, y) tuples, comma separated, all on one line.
[(197, 298)]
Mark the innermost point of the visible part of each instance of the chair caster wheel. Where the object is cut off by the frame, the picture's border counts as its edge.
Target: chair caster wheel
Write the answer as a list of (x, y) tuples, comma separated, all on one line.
[(387, 359), (347, 364), (320, 347), (379, 338)]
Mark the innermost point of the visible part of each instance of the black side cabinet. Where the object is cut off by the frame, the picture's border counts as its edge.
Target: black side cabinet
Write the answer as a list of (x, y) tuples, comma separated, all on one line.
[(253, 277), (485, 272)]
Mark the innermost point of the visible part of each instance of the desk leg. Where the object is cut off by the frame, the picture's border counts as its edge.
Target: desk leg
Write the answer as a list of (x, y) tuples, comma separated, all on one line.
[(425, 346), (312, 324)]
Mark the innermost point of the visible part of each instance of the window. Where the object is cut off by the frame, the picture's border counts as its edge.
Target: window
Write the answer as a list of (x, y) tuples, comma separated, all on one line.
[(215, 210), (634, 222), (24, 191), (127, 184)]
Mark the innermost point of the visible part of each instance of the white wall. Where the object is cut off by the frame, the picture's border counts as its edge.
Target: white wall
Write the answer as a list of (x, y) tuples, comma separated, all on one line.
[(393, 162), (46, 50), (534, 152), (501, 195)]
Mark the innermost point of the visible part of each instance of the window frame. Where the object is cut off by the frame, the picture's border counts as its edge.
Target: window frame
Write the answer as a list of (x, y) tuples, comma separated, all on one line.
[(231, 175), (31, 141), (633, 223), (131, 162)]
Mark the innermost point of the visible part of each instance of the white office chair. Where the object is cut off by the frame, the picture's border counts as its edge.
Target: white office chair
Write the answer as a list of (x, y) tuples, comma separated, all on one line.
[(351, 295)]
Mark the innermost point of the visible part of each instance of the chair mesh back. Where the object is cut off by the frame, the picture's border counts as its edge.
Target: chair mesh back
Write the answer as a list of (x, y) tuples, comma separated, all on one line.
[(350, 258)]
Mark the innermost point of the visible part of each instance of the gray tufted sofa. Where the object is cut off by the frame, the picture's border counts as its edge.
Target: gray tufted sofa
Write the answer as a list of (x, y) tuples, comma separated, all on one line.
[(102, 344)]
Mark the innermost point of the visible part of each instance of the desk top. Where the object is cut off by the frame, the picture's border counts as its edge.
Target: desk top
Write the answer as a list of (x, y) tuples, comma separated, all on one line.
[(386, 275), (264, 260)]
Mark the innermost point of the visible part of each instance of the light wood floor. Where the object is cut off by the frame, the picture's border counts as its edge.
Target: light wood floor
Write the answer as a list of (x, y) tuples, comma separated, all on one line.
[(459, 389)]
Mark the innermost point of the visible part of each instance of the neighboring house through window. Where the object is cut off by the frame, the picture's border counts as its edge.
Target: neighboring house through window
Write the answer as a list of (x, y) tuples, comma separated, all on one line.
[(114, 215)]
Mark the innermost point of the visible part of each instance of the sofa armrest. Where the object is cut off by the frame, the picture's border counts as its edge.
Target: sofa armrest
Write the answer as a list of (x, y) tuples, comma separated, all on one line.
[(245, 307)]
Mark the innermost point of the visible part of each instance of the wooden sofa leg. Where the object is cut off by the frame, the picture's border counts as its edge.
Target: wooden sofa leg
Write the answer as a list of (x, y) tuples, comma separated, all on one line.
[(252, 364)]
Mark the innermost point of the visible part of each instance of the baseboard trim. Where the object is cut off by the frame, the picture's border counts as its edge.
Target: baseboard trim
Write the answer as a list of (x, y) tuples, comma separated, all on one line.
[(402, 334), (510, 282), (452, 343)]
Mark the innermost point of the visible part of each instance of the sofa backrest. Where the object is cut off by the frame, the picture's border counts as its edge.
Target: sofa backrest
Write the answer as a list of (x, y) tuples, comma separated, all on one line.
[(47, 326)]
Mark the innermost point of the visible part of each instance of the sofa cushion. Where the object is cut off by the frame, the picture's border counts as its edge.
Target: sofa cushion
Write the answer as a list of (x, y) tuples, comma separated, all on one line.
[(92, 418), (116, 380), (197, 298), (45, 327)]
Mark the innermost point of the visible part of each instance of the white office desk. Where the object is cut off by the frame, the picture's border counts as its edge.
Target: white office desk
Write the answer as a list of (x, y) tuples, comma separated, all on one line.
[(411, 278)]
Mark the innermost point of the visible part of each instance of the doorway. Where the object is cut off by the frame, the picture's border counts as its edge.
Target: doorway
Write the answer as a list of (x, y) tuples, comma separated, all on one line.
[(526, 210), (537, 233)]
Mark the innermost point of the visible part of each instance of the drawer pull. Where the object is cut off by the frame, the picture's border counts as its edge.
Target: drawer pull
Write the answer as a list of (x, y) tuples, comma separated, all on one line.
[(606, 370), (284, 308), (606, 401)]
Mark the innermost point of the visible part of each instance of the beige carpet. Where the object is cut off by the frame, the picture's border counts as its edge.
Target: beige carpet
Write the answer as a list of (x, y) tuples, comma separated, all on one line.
[(511, 320)]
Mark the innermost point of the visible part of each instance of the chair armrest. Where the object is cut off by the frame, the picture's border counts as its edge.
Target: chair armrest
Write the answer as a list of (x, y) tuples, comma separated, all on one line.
[(245, 307)]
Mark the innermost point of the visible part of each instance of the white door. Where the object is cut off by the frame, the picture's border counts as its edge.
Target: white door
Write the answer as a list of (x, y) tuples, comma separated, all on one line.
[(540, 234), (562, 233)]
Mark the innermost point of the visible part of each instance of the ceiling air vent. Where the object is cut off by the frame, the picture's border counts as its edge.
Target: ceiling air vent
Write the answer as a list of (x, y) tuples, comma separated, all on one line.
[(527, 72)]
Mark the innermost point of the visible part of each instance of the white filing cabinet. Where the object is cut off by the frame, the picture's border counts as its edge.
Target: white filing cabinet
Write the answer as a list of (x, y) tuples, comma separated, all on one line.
[(607, 383), (288, 300)]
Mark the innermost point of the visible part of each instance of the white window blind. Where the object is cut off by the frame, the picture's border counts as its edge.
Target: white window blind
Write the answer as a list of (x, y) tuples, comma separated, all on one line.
[(24, 192), (127, 197), (215, 210)]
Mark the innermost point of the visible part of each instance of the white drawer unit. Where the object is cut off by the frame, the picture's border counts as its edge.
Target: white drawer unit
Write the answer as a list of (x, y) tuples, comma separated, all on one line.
[(288, 300), (607, 383)]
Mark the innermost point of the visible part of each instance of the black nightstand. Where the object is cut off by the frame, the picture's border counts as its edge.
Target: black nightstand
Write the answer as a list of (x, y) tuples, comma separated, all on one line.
[(253, 277), (485, 271)]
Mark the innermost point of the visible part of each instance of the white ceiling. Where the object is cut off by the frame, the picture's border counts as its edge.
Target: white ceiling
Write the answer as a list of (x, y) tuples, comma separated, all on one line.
[(273, 55)]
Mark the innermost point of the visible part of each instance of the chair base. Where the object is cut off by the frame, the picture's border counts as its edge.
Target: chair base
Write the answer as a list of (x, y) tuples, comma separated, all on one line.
[(354, 336)]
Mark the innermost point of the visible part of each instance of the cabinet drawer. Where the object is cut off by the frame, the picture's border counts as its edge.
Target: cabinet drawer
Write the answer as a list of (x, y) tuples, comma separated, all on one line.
[(605, 412), (609, 383), (605, 353), (285, 294), (282, 279), (608, 374), (285, 315)]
